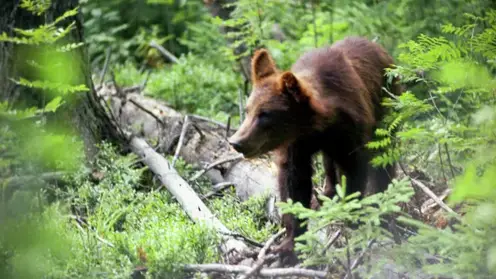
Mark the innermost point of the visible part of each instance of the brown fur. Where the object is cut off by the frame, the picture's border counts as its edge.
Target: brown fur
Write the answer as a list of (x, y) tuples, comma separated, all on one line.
[(329, 102)]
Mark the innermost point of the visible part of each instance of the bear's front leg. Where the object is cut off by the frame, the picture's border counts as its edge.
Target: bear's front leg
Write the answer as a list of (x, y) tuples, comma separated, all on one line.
[(295, 182)]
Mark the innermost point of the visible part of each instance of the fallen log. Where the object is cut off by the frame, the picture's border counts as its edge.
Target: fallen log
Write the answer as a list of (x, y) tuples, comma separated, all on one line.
[(265, 273), (184, 194), (204, 142)]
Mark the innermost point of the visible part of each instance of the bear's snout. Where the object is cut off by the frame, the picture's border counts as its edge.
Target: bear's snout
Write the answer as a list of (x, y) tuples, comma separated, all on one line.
[(236, 145)]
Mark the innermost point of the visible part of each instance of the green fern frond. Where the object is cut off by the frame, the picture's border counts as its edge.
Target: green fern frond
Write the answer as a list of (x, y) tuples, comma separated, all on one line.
[(381, 132), (37, 7), (69, 47), (380, 144), (62, 88), (396, 122), (463, 31)]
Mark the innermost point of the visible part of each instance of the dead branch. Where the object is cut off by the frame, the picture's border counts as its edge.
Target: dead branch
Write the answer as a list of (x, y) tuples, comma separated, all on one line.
[(206, 119), (440, 154), (181, 139), (357, 261), (265, 272), (105, 66), (452, 169), (145, 81), (245, 239), (219, 187), (433, 196), (333, 239), (134, 102), (261, 255), (228, 128), (430, 203), (169, 56), (348, 257), (214, 164), (104, 241), (241, 106), (181, 190)]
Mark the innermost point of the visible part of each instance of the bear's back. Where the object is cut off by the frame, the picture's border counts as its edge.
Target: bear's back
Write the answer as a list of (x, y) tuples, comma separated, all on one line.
[(349, 75)]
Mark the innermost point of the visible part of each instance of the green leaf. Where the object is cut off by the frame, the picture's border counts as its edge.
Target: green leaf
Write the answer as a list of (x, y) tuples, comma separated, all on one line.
[(54, 104)]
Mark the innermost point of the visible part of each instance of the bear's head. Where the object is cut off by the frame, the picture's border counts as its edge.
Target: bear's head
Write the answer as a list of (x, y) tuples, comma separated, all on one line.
[(277, 110)]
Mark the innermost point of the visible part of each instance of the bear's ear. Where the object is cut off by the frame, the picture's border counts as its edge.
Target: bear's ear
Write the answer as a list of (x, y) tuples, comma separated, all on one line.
[(262, 65), (289, 84)]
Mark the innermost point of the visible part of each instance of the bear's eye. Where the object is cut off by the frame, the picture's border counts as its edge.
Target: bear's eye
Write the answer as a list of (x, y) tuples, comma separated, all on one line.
[(265, 116)]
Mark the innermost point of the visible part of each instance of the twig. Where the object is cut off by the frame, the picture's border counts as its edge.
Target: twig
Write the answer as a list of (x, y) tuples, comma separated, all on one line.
[(435, 105), (118, 89), (390, 94), (332, 240), (441, 161), (198, 130), (181, 140), (216, 163), (449, 160), (261, 255), (262, 258), (203, 118), (244, 238), (265, 272), (131, 89), (228, 126), (110, 112), (219, 187), (428, 192), (106, 242), (430, 203), (145, 81), (348, 258), (105, 66), (164, 52), (359, 258), (241, 106), (146, 110), (433, 196), (120, 93)]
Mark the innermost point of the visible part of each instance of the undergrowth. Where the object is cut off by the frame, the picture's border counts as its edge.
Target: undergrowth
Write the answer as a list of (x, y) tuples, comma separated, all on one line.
[(103, 224)]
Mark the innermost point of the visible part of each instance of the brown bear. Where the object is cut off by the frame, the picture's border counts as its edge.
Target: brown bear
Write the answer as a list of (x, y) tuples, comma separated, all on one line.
[(330, 101)]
